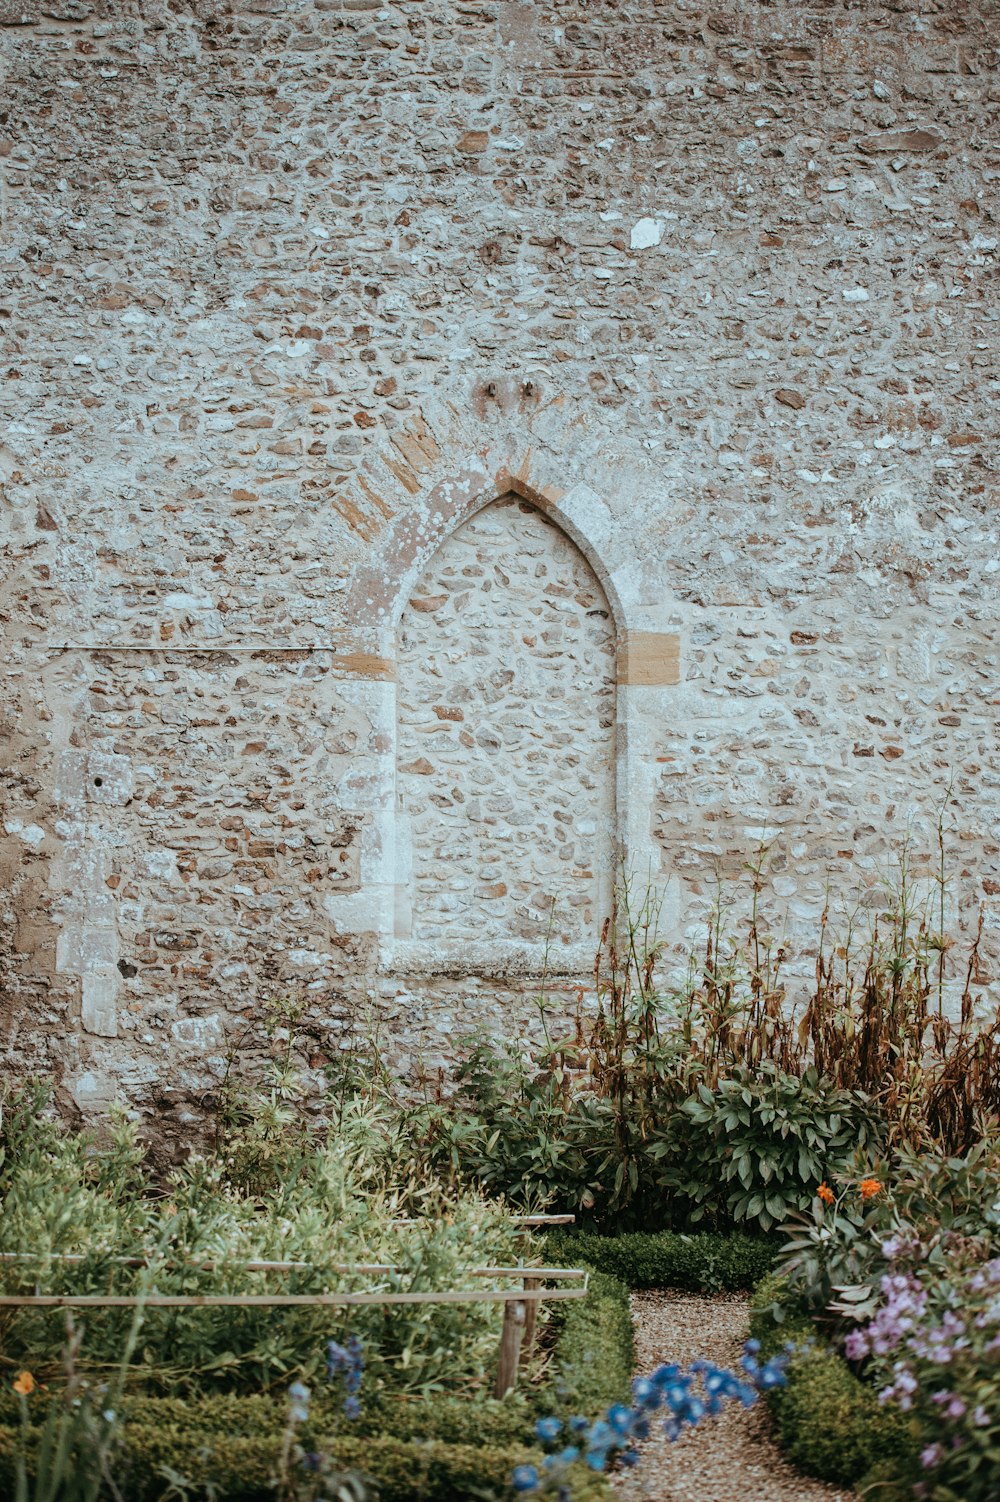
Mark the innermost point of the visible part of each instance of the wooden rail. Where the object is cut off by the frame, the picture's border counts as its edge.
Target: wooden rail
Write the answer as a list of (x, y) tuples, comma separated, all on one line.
[(211, 1265), (520, 1304), (283, 1300)]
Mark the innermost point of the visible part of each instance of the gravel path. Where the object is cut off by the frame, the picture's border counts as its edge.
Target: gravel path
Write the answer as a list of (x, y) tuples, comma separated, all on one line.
[(729, 1459)]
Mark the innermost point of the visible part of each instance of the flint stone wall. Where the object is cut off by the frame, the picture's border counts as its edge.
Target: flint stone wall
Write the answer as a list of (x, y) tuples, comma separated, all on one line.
[(505, 750), (290, 293)]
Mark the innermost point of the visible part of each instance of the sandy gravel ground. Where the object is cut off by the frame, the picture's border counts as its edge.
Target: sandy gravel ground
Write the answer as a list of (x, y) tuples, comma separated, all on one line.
[(731, 1458)]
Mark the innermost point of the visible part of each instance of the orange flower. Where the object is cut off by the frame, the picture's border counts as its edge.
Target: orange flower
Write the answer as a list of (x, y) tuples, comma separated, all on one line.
[(869, 1188), (25, 1384), (826, 1194)]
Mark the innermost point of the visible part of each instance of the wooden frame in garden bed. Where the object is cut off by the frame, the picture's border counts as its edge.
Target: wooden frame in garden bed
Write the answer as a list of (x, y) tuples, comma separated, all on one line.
[(520, 1304)]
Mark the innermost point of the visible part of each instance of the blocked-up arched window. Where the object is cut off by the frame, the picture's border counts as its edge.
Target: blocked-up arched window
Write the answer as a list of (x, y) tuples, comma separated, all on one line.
[(505, 750)]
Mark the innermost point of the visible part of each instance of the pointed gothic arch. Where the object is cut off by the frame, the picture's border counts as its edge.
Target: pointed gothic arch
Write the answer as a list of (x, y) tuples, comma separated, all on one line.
[(645, 667)]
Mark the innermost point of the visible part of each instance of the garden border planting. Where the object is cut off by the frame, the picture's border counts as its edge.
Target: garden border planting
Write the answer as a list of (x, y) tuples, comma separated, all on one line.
[(448, 1447)]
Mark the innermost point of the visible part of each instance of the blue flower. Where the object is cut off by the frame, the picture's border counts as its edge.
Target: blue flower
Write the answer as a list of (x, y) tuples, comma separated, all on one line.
[(298, 1407), (525, 1478), (548, 1429), (620, 1418), (347, 1363), (646, 1393), (676, 1395), (601, 1436), (579, 1424)]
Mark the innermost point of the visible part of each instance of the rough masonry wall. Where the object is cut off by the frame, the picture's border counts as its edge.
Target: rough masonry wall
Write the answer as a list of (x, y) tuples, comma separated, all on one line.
[(288, 289), (505, 748)]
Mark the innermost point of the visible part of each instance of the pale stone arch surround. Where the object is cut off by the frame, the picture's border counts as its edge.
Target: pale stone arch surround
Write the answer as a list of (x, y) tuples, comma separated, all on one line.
[(647, 657), (505, 751)]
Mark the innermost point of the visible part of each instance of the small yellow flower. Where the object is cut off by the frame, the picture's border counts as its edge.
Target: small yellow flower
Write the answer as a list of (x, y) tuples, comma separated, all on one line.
[(869, 1188), (25, 1384)]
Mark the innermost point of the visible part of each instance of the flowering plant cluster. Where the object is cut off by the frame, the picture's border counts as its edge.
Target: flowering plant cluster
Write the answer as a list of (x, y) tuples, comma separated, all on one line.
[(347, 1363), (834, 1245), (933, 1347), (683, 1397)]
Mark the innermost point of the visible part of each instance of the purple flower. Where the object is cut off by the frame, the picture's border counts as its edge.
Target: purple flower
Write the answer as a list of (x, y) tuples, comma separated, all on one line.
[(856, 1345)]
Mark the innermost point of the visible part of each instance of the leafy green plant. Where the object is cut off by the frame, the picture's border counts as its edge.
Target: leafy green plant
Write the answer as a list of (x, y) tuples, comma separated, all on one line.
[(757, 1145), (834, 1253)]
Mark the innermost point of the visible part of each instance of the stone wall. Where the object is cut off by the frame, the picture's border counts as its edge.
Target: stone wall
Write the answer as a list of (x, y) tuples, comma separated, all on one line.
[(290, 292)]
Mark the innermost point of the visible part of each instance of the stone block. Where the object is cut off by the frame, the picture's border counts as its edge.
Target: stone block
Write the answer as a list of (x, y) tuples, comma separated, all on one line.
[(108, 778), (649, 659), (99, 1006), (93, 1090)]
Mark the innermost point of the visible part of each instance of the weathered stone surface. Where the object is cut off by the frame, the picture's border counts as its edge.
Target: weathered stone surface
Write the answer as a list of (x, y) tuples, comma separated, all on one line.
[(289, 293), (505, 792)]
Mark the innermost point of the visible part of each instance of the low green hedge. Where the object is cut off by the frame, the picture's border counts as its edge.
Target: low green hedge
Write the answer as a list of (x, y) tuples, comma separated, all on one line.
[(703, 1261), (240, 1468), (594, 1355), (829, 1423)]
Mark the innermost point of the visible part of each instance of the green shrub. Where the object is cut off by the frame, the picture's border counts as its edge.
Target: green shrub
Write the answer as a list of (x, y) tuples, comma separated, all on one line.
[(831, 1425), (704, 1261), (776, 1315), (754, 1147), (435, 1447), (336, 1205)]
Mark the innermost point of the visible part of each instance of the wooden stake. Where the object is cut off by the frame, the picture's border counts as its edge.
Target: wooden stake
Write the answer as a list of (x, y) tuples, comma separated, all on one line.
[(510, 1347), (530, 1316)]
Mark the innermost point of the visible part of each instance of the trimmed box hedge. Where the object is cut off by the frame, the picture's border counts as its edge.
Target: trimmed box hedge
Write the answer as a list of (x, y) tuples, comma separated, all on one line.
[(242, 1469), (703, 1261), (829, 1423)]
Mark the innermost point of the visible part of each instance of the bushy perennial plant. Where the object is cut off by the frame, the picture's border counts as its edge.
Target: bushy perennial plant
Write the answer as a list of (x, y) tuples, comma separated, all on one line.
[(336, 1201), (933, 1348), (900, 1269)]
